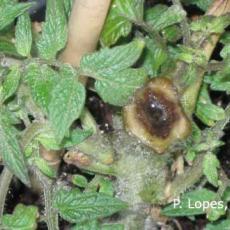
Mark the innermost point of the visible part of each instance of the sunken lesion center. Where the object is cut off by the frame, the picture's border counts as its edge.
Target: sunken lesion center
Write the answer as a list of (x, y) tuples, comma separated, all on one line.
[(156, 112)]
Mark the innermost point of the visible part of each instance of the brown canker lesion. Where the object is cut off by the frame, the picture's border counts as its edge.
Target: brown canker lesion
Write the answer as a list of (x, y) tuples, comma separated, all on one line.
[(155, 116), (156, 112)]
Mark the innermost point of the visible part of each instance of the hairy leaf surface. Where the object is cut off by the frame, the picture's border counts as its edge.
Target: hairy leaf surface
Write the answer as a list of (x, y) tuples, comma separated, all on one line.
[(107, 61), (23, 218), (10, 150), (23, 35), (66, 104), (78, 207), (11, 82), (117, 88), (54, 30), (10, 11)]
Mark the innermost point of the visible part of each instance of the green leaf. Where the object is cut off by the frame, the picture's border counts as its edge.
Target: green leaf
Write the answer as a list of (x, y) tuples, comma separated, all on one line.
[(202, 4), (79, 180), (154, 13), (203, 147), (188, 202), (107, 61), (44, 167), (93, 225), (66, 70), (75, 207), (10, 11), (190, 75), (118, 22), (23, 35), (10, 150), (220, 81), (41, 79), (76, 137), (190, 156), (160, 17), (115, 26), (220, 225), (225, 38), (8, 48), (89, 225), (54, 30), (88, 122), (215, 213), (66, 104), (206, 111), (11, 82), (225, 52), (211, 24), (12, 118), (23, 218), (112, 227), (68, 4), (47, 139), (131, 9), (155, 56), (210, 168), (189, 55), (172, 33), (117, 88), (226, 194), (106, 186)]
